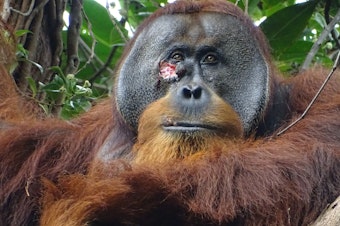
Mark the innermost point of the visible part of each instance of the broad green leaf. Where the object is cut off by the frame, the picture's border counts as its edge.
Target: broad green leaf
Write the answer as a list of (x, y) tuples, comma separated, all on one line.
[(270, 7), (101, 23), (285, 26), (296, 52), (20, 33)]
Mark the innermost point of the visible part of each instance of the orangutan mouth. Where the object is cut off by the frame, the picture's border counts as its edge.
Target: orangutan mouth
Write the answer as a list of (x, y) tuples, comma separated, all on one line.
[(184, 126)]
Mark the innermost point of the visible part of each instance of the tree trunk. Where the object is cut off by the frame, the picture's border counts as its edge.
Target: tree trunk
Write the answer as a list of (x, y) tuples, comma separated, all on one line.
[(43, 19)]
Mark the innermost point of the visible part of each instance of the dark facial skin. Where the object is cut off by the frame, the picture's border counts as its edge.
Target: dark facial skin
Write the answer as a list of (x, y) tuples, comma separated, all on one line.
[(212, 53)]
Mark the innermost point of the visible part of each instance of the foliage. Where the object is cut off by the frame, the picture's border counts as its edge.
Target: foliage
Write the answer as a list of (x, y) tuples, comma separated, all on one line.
[(291, 30)]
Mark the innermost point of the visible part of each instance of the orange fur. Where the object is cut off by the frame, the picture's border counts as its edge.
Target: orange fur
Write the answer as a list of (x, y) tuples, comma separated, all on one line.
[(285, 180), (154, 144), (227, 179)]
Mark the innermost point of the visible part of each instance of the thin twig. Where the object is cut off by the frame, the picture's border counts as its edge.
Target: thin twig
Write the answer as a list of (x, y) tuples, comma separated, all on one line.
[(92, 54), (115, 24), (315, 97), (320, 40), (107, 63), (246, 5), (29, 21), (88, 51), (27, 13)]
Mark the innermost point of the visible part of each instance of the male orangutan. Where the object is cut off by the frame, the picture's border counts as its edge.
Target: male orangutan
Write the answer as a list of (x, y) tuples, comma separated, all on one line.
[(189, 137)]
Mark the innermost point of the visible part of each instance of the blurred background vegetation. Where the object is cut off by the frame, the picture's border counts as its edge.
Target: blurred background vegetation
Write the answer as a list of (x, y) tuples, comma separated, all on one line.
[(67, 50)]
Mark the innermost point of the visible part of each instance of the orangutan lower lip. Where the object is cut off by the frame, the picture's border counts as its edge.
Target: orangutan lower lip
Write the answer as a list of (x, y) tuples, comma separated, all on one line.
[(187, 126)]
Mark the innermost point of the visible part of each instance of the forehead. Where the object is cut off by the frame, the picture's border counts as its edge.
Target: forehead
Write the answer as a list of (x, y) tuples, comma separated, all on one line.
[(194, 27)]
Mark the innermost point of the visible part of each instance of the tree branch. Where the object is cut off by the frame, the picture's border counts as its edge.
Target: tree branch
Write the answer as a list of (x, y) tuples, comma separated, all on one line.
[(73, 37), (320, 40), (107, 63), (330, 216), (336, 63)]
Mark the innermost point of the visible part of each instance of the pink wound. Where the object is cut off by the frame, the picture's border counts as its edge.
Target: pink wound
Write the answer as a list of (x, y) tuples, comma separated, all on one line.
[(167, 71)]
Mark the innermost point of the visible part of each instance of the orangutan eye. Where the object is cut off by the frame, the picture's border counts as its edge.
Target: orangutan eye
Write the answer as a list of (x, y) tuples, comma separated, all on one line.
[(177, 56), (210, 59)]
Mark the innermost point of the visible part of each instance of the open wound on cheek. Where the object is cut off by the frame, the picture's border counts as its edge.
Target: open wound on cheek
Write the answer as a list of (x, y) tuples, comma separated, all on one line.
[(167, 71)]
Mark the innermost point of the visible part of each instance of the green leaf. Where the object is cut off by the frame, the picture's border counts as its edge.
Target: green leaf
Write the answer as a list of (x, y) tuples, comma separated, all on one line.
[(21, 51), (284, 27), (101, 23), (32, 86), (293, 57), (270, 7), (19, 33), (73, 108), (296, 52), (55, 85)]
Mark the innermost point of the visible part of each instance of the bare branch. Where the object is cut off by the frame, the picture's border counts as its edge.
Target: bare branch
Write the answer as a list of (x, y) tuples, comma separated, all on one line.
[(55, 13), (32, 19), (336, 63), (25, 67), (6, 11), (330, 216), (88, 51), (116, 25), (320, 40), (73, 37), (27, 13), (107, 63), (91, 54)]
